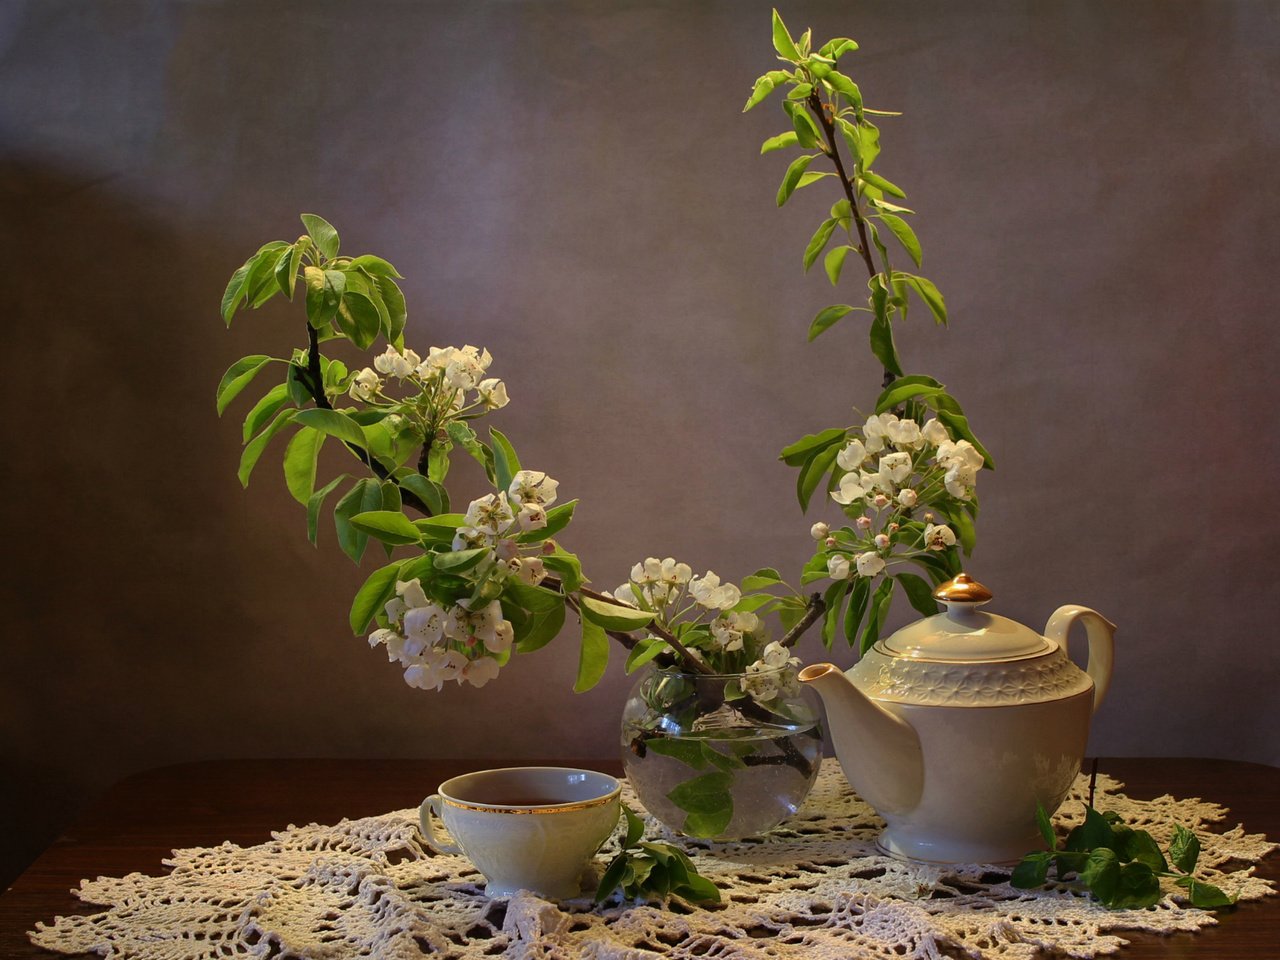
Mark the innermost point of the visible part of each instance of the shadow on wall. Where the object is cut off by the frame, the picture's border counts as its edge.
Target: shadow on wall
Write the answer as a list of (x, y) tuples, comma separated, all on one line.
[(101, 572)]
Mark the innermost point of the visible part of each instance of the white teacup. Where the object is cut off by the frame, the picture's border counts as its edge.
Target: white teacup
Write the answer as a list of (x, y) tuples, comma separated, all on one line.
[(525, 828)]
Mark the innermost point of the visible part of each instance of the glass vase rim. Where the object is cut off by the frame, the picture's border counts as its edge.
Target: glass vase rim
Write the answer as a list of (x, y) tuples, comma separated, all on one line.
[(719, 675)]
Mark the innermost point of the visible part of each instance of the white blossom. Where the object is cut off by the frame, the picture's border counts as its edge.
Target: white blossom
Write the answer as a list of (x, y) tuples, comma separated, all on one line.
[(466, 367), (425, 624), (532, 486), (838, 566), (960, 452), (365, 385), (395, 609), (531, 571), (960, 480), (709, 592), (729, 628), (820, 531), (473, 626), (894, 468), (935, 432), (491, 514), (625, 593), (411, 592), (938, 537), (850, 490), (875, 431), (905, 434), (852, 456), (467, 537), (397, 364), (869, 563), (479, 672), (493, 393), (382, 636)]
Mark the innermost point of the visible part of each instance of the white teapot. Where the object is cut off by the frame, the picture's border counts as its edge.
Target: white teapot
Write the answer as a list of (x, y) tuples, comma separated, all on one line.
[(956, 726)]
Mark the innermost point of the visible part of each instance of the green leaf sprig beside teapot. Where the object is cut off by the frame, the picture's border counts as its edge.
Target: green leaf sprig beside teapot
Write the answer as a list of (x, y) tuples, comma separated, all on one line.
[(956, 726)]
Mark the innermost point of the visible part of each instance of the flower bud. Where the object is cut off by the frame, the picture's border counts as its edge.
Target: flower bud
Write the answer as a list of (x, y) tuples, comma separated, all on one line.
[(863, 523), (831, 541), (907, 498), (881, 500), (882, 541), (893, 528), (819, 531)]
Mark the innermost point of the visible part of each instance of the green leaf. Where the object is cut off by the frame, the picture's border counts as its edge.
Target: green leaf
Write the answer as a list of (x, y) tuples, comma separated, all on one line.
[(238, 376), (843, 85), (635, 827), (761, 89), (1101, 874), (881, 183), (834, 262), (364, 496), (788, 139), (260, 283), (568, 567), (878, 610), (920, 594), (792, 176), (613, 616), (1137, 888), (316, 502), (373, 596), (857, 609), (1205, 895), (908, 388), (1031, 872), (1184, 850), (834, 599), (782, 41), (611, 879), (253, 450), (457, 561), (818, 243), (698, 889), (543, 625), (375, 265), (286, 272), (264, 410), (906, 236), (361, 320), (827, 318), (390, 526), (324, 295), (1138, 845), (557, 519), (643, 652), (707, 801), (322, 234), (813, 473), (432, 494), (334, 423), (688, 752), (300, 463), (593, 656), (804, 448), (396, 310), (1095, 832), (1042, 815), (764, 577), (505, 462), (928, 293), (882, 345), (234, 295), (812, 176)]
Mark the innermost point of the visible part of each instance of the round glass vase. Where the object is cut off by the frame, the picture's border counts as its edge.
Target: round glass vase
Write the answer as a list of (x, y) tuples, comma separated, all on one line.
[(721, 756)]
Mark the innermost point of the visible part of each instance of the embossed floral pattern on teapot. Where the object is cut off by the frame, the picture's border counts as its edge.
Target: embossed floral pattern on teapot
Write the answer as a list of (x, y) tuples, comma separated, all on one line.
[(958, 725)]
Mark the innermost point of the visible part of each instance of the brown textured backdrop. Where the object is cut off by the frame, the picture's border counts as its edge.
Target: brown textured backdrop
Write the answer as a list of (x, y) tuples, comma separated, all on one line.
[(573, 186)]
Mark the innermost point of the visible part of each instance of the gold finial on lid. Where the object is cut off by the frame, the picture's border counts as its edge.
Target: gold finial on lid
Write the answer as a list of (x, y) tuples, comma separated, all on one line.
[(963, 589)]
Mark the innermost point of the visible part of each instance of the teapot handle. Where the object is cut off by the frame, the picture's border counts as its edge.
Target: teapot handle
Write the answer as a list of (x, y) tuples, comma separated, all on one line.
[(1101, 633)]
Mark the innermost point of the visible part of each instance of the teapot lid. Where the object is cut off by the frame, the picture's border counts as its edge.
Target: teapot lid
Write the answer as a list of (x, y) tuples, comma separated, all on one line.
[(964, 632)]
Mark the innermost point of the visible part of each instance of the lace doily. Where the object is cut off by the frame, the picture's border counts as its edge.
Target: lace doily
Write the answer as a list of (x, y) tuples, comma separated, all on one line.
[(815, 888)]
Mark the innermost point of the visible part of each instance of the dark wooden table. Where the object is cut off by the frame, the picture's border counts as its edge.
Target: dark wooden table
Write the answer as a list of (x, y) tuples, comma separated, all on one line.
[(140, 820)]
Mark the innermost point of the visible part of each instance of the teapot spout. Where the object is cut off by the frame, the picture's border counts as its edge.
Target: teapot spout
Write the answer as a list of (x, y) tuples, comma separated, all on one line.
[(878, 750)]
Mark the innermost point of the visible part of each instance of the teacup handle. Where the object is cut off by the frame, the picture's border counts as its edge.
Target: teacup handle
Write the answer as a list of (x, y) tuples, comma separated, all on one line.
[(431, 808)]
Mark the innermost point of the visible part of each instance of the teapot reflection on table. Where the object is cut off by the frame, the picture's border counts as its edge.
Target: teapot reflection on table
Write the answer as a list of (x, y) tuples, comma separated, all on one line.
[(956, 726)]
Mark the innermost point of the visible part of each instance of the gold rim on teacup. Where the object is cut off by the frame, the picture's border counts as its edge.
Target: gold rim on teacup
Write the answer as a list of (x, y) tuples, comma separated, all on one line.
[(542, 808)]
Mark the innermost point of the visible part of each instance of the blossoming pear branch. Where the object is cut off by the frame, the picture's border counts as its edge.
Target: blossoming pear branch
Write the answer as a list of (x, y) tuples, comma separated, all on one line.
[(906, 478)]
